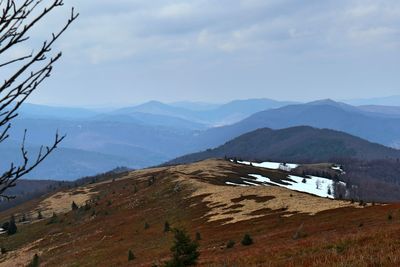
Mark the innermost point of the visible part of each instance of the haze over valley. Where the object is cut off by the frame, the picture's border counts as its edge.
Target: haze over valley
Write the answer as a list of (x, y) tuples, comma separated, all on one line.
[(153, 133)]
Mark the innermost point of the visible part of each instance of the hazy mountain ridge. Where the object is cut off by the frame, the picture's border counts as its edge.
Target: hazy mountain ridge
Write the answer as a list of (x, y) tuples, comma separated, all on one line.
[(224, 114), (41, 111), (296, 144), (65, 163), (320, 114), (386, 111), (393, 100)]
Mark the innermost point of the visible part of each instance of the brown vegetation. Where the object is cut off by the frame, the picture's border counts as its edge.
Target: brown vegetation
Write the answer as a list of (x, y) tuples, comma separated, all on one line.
[(193, 197)]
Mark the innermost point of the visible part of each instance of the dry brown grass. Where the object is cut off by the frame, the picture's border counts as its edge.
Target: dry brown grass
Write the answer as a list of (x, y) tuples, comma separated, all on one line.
[(60, 202), (189, 196), (220, 197), (21, 257)]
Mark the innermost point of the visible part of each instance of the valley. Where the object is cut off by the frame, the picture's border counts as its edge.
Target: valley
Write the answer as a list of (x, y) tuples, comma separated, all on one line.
[(153, 133)]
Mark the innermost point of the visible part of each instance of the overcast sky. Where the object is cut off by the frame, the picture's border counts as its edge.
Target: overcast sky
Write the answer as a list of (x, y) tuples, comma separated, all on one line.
[(123, 52)]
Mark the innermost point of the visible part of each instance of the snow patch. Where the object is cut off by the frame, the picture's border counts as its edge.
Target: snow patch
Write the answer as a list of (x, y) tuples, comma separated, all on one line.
[(260, 178), (338, 168), (318, 186), (250, 183), (270, 165), (234, 184), (313, 185)]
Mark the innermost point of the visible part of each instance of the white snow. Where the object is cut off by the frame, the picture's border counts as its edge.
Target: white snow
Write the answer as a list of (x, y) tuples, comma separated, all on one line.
[(260, 178), (229, 183), (250, 183), (314, 185), (338, 168), (297, 184), (269, 165)]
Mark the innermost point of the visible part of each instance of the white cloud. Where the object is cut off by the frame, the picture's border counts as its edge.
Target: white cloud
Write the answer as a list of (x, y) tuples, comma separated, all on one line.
[(160, 35), (363, 10), (373, 34), (136, 28), (176, 10)]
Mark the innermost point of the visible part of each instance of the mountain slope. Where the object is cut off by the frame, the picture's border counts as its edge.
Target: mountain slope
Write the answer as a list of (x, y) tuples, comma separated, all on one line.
[(296, 144), (388, 111), (65, 163), (220, 115), (385, 101), (41, 111), (326, 114), (149, 119), (237, 110), (158, 108), (148, 139), (107, 136), (128, 213)]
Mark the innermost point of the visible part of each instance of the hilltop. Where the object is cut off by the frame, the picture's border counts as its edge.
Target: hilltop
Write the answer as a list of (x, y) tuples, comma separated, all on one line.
[(328, 114), (128, 212), (295, 144)]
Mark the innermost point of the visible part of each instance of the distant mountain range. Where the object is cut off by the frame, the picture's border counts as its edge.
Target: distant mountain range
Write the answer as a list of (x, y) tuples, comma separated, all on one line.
[(65, 163), (302, 144), (40, 111), (374, 127), (377, 101), (213, 115), (154, 132), (385, 111)]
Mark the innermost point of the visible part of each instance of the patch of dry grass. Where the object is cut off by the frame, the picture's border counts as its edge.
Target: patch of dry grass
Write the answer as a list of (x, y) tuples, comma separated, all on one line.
[(60, 202), (283, 199)]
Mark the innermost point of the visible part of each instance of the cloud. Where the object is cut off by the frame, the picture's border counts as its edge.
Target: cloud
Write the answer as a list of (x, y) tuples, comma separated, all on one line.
[(164, 27), (205, 38), (175, 11)]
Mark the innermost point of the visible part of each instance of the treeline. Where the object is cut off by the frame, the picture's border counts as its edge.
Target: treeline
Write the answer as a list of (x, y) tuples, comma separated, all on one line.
[(362, 180), (372, 181)]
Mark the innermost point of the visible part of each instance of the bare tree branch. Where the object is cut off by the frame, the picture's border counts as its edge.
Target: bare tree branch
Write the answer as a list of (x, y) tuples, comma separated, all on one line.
[(17, 19)]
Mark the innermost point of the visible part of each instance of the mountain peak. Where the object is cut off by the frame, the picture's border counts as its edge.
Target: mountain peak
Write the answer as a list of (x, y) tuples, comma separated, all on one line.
[(333, 103), (152, 103), (326, 101)]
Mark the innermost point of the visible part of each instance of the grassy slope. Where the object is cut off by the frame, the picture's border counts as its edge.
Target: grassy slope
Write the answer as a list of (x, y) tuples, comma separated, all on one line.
[(340, 237)]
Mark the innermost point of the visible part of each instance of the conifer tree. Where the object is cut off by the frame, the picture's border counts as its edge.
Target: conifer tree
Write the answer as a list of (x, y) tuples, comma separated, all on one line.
[(35, 261), (247, 240), (74, 206), (167, 227), (131, 256), (12, 227), (184, 250), (198, 236)]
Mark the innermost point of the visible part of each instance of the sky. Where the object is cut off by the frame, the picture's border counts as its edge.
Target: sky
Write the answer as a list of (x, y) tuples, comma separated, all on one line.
[(124, 52)]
